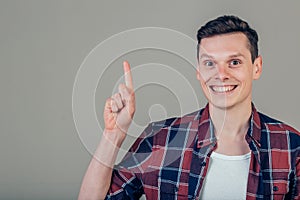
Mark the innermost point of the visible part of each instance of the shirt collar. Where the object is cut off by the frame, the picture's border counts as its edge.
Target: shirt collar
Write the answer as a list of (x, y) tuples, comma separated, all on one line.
[(206, 134), (254, 131)]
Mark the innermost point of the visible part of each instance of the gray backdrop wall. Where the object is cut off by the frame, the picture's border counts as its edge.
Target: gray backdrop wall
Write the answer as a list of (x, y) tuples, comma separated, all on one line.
[(43, 44)]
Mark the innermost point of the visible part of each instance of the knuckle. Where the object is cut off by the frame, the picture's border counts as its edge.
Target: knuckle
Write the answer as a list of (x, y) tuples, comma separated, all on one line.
[(112, 102), (115, 96), (122, 87)]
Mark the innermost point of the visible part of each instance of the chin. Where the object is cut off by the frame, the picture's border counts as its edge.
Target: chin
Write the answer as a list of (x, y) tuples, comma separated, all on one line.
[(223, 105)]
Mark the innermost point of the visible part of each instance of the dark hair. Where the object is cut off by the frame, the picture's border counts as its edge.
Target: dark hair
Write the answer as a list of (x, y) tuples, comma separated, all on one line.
[(229, 24)]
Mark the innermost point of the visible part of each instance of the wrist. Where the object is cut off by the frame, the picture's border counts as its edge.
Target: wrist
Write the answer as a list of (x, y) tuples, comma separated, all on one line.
[(114, 137)]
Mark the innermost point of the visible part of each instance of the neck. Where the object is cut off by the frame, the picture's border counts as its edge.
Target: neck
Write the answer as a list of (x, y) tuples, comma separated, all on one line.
[(231, 122)]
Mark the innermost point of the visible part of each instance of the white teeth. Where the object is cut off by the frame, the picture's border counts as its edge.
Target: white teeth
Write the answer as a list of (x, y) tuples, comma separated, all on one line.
[(222, 88)]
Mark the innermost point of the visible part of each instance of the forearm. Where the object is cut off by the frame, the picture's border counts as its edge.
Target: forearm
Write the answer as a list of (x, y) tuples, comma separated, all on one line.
[(118, 113), (97, 179)]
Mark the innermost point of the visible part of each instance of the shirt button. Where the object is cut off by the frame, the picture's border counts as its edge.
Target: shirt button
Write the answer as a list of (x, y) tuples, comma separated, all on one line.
[(203, 163), (275, 188)]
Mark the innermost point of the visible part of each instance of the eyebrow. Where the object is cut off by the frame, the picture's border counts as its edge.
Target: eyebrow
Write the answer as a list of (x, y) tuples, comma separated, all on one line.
[(231, 56), (237, 55), (206, 56)]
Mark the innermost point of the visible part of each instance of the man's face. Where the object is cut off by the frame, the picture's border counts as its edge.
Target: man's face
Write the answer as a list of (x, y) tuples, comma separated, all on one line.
[(225, 70)]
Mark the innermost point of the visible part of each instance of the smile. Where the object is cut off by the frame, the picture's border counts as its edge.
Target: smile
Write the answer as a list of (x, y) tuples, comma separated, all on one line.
[(222, 89)]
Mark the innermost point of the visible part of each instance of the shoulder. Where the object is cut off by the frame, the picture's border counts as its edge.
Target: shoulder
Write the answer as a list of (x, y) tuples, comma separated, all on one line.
[(161, 130), (279, 132), (275, 125), (180, 121), (157, 132)]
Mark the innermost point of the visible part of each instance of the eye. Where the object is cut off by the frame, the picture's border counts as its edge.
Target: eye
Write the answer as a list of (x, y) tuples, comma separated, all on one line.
[(235, 62), (209, 63)]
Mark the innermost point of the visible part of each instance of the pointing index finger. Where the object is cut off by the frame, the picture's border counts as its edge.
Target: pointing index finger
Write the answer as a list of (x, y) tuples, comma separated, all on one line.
[(127, 75)]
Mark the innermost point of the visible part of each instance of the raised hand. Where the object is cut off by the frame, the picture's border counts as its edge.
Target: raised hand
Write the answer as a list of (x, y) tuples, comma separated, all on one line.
[(120, 107)]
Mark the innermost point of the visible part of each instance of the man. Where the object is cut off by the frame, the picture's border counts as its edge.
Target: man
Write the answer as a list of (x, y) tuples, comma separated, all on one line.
[(227, 150)]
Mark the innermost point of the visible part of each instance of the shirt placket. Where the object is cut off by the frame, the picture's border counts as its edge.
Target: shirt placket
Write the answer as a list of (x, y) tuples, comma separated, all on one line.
[(200, 160)]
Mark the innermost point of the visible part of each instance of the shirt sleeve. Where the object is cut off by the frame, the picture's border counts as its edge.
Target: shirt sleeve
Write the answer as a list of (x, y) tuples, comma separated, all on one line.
[(126, 180), (296, 143), (297, 195)]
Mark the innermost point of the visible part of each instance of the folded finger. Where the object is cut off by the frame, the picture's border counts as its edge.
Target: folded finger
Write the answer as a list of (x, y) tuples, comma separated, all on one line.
[(114, 107), (123, 91), (118, 99)]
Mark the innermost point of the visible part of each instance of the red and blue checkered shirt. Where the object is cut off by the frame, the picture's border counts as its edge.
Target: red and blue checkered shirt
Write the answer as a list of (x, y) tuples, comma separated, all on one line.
[(170, 159)]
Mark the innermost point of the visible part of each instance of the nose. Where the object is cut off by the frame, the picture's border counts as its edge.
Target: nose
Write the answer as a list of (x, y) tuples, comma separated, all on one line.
[(222, 73)]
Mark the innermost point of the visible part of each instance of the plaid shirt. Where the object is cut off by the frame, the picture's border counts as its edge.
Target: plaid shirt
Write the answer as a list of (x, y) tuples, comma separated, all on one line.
[(170, 160)]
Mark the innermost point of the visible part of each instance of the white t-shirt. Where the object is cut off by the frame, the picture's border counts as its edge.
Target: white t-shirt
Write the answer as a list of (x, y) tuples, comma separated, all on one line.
[(226, 177)]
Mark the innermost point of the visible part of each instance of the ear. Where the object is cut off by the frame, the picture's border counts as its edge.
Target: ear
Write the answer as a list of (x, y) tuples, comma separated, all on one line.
[(257, 67), (198, 72)]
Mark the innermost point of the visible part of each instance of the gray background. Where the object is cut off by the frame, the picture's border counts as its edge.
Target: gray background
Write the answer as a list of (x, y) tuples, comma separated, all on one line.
[(43, 43)]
